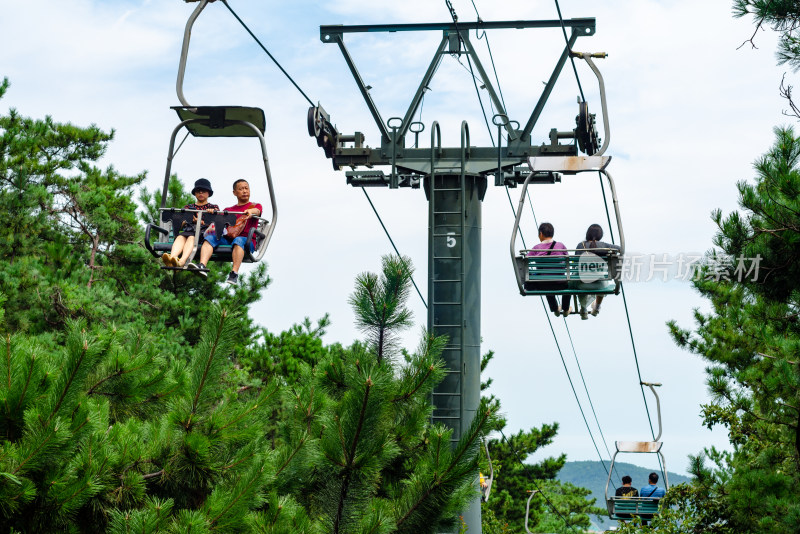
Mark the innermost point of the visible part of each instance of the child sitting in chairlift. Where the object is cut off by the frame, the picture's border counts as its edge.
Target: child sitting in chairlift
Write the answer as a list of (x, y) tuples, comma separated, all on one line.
[(184, 240)]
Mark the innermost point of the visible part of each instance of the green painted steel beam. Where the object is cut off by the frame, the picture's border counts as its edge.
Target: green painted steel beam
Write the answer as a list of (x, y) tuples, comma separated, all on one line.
[(329, 32)]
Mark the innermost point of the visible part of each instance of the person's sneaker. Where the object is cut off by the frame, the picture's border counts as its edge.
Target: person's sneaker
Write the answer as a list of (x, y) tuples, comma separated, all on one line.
[(584, 314), (595, 311), (567, 312), (557, 312), (199, 270), (233, 278)]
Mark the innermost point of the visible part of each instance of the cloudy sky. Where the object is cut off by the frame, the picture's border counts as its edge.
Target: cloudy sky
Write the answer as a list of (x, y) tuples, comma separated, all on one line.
[(689, 113)]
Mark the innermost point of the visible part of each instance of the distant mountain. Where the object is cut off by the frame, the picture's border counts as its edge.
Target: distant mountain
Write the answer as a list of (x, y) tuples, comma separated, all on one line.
[(593, 476)]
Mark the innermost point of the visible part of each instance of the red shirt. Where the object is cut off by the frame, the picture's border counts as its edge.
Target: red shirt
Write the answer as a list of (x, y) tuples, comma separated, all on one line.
[(252, 222)]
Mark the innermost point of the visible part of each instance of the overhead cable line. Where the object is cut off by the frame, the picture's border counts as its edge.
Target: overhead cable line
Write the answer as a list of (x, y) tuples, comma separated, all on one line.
[(392, 242), (530, 203), (630, 329), (571, 385), (267, 51), (580, 407), (586, 389), (549, 502), (569, 377), (628, 317), (312, 103), (489, 48), (455, 22), (175, 153), (472, 72), (569, 48)]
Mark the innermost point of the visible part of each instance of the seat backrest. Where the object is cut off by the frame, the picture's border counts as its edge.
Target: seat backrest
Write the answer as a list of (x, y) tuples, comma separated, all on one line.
[(547, 268), (633, 506), (578, 268)]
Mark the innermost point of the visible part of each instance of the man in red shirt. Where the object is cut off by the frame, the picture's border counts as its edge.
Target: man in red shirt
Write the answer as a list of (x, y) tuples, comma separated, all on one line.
[(249, 210)]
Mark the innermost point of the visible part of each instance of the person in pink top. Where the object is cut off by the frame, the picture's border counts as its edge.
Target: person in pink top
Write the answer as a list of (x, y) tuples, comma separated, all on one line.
[(547, 246), (241, 189)]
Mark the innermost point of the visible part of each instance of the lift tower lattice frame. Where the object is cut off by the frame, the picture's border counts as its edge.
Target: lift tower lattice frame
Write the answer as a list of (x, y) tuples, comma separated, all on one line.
[(455, 181)]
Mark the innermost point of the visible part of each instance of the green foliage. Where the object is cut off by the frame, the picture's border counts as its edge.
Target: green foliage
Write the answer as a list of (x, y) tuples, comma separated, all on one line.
[(782, 17), (515, 478), (284, 354), (102, 430), (379, 304), (133, 400), (750, 340), (177, 197), (72, 243)]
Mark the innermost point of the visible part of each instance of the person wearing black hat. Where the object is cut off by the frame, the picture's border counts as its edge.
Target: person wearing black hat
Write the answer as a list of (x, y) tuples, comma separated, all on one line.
[(184, 241)]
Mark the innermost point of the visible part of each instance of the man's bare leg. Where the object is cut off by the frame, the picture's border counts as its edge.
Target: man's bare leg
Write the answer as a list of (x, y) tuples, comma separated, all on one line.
[(238, 256)]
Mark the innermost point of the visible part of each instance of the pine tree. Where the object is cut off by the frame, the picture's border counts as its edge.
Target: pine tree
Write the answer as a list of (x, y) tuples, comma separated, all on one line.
[(72, 242), (104, 432), (383, 468), (515, 478), (751, 341), (782, 17)]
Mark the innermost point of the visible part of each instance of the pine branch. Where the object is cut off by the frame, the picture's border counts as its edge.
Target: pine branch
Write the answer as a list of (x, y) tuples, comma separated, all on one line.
[(239, 461), (417, 387), (208, 363), (439, 481), (243, 491), (242, 415), (8, 369), (291, 456), (27, 381), (350, 456), (36, 450), (70, 379), (752, 38), (778, 359)]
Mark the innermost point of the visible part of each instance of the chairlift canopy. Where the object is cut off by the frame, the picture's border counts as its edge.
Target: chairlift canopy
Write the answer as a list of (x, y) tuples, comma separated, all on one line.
[(222, 121)]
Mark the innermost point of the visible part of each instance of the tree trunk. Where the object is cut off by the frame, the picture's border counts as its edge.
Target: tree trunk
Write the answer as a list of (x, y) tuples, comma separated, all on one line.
[(95, 246)]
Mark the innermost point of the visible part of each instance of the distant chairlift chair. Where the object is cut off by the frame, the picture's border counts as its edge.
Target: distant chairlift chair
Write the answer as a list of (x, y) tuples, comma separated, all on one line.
[(623, 508)]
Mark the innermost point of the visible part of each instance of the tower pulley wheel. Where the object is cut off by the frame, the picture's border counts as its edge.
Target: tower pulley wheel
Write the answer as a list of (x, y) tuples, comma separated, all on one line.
[(586, 130)]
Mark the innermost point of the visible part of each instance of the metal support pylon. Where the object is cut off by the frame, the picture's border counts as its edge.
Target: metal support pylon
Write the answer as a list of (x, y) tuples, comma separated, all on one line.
[(454, 296)]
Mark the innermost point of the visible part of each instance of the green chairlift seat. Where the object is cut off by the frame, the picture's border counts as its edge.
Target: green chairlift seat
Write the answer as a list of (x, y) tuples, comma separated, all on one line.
[(576, 273), (159, 239)]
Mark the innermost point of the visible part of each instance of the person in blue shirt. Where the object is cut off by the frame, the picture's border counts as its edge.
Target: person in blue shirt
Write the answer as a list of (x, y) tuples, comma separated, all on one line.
[(652, 489)]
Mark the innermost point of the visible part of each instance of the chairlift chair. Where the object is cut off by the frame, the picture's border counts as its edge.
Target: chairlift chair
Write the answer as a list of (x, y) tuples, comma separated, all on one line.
[(211, 121), (486, 489), (624, 508), (593, 271), (528, 509)]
